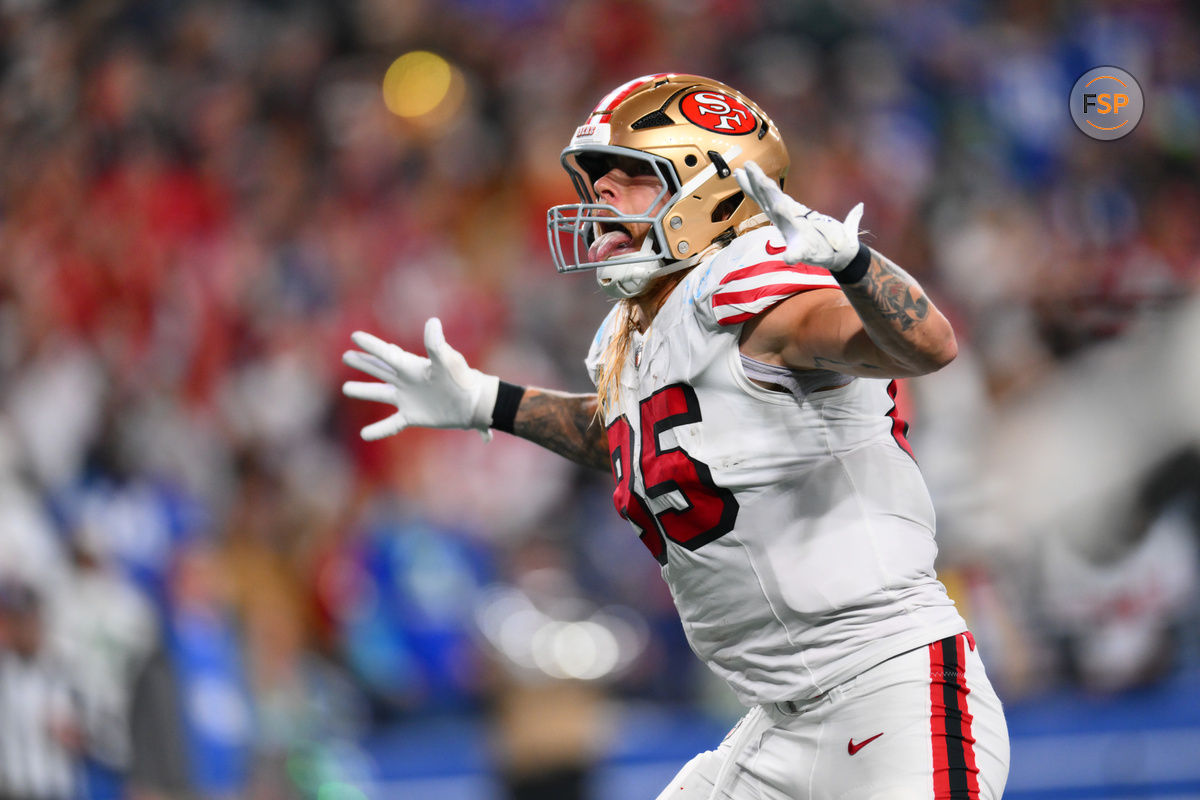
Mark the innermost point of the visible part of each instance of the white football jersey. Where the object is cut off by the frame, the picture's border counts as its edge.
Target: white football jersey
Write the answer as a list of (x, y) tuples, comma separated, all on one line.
[(793, 527)]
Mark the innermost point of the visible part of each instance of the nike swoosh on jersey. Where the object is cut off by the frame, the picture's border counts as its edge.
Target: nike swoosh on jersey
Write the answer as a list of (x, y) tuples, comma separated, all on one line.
[(772, 250), (853, 748)]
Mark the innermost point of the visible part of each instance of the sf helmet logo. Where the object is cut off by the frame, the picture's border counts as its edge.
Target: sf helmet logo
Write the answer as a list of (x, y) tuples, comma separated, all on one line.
[(718, 112)]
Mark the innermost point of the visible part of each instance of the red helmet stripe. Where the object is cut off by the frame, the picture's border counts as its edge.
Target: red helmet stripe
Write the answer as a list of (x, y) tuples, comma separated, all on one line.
[(617, 96)]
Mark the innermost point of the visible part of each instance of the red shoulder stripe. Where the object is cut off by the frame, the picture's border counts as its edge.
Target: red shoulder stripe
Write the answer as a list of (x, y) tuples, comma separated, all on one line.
[(736, 318), (762, 268), (782, 290)]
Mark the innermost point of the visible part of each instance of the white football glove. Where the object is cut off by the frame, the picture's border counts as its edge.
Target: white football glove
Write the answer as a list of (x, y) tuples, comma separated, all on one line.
[(441, 391), (812, 237)]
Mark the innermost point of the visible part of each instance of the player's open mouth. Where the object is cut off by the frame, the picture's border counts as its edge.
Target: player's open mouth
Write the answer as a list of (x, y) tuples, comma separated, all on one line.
[(614, 240)]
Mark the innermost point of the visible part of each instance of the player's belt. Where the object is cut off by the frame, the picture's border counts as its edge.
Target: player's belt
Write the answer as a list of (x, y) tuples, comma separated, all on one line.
[(794, 707)]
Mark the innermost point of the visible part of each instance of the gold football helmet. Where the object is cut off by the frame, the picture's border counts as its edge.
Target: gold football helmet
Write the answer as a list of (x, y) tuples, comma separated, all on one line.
[(691, 132)]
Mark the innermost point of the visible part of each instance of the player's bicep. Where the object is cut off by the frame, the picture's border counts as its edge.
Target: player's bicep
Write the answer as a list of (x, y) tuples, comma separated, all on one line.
[(819, 330)]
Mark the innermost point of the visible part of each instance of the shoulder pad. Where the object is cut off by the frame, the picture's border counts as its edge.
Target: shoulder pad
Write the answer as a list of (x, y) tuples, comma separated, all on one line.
[(749, 276)]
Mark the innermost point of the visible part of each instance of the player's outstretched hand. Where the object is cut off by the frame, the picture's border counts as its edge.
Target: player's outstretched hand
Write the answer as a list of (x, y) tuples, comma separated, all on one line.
[(440, 391), (812, 237)]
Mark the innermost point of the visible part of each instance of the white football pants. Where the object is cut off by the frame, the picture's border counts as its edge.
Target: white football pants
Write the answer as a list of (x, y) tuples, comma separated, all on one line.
[(925, 725)]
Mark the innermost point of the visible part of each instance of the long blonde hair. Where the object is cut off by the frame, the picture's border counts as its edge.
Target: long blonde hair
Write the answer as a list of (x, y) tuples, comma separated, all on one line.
[(625, 324), (616, 352)]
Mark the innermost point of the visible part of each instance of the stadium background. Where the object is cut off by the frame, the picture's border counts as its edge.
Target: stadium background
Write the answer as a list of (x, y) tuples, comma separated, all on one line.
[(199, 201)]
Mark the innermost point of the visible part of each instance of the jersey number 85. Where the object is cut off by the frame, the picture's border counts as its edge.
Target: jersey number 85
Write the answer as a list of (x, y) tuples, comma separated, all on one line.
[(709, 511)]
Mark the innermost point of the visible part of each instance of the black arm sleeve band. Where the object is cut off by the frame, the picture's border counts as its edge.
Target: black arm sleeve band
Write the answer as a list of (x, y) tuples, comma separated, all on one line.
[(508, 398), (857, 268)]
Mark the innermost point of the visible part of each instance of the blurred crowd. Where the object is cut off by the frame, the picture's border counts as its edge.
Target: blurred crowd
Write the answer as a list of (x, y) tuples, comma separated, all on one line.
[(216, 583)]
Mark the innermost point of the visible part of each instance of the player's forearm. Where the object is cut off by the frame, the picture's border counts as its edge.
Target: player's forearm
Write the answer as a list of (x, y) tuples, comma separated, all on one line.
[(565, 424), (900, 319)]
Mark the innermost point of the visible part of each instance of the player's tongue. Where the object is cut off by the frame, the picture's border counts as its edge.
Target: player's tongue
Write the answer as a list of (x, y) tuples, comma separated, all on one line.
[(609, 244)]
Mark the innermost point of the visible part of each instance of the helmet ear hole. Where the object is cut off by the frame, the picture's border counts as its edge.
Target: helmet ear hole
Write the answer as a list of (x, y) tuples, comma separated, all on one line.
[(726, 208), (690, 160)]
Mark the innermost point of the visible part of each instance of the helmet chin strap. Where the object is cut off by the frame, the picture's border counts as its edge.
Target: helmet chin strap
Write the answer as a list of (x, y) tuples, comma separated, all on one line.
[(756, 221), (623, 281)]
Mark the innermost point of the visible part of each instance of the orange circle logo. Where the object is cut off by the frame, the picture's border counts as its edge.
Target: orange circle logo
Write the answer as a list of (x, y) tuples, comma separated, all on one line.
[(1106, 103), (718, 112)]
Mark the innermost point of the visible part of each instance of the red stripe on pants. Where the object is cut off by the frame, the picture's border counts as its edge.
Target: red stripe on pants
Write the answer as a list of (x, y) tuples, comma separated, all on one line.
[(955, 774)]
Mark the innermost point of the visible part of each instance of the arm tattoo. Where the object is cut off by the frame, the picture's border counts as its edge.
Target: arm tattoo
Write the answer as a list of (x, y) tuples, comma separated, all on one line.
[(891, 292), (566, 424), (908, 334)]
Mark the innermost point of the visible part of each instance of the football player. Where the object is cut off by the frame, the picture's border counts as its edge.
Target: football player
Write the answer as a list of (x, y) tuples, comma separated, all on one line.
[(745, 404)]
